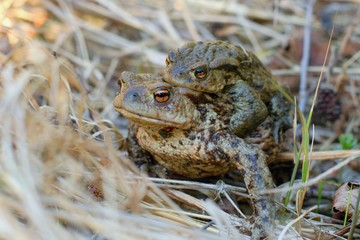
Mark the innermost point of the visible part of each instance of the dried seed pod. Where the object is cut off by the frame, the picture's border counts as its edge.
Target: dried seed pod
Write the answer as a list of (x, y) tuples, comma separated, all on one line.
[(327, 108)]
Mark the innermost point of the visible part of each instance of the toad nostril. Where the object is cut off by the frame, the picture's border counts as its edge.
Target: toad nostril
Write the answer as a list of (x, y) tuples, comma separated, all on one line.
[(134, 95)]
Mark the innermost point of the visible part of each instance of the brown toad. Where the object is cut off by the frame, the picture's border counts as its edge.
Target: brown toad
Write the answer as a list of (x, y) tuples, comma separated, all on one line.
[(188, 133), (233, 74)]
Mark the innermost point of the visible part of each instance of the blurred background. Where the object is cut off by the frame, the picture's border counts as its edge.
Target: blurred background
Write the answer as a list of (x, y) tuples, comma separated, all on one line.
[(102, 38)]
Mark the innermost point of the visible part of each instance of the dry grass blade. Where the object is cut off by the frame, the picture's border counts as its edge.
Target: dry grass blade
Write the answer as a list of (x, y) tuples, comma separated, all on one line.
[(286, 228), (315, 180), (306, 55), (322, 155)]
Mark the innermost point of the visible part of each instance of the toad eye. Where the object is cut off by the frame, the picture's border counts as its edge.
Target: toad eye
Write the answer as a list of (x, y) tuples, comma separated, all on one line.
[(170, 58), (200, 72), (162, 95), (119, 83)]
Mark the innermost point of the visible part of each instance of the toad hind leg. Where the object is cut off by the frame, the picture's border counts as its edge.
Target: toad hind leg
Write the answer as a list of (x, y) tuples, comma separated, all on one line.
[(252, 163)]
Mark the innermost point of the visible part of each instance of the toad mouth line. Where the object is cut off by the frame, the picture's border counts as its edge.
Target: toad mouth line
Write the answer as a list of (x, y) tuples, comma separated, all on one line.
[(135, 117)]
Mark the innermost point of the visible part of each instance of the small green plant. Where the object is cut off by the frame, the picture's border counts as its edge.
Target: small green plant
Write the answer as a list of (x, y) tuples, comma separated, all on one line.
[(305, 146), (320, 189), (348, 141), (347, 206)]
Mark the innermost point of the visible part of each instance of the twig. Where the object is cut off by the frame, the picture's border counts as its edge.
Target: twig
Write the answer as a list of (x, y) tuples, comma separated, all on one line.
[(349, 32), (228, 8), (340, 232), (321, 155), (189, 21), (295, 70), (184, 184), (315, 180), (306, 55), (282, 234)]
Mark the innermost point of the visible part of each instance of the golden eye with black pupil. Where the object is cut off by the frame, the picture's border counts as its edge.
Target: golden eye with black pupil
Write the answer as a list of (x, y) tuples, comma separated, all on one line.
[(162, 95), (200, 73)]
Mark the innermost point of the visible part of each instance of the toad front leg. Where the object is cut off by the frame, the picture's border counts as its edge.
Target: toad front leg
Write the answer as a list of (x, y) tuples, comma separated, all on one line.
[(252, 163), (282, 113), (142, 158), (250, 111)]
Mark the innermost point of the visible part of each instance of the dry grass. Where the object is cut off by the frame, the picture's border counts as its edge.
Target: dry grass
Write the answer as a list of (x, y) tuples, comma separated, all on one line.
[(62, 173)]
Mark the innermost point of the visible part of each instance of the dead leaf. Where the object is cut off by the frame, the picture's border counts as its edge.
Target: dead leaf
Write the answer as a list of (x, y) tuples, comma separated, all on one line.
[(346, 194), (355, 165)]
